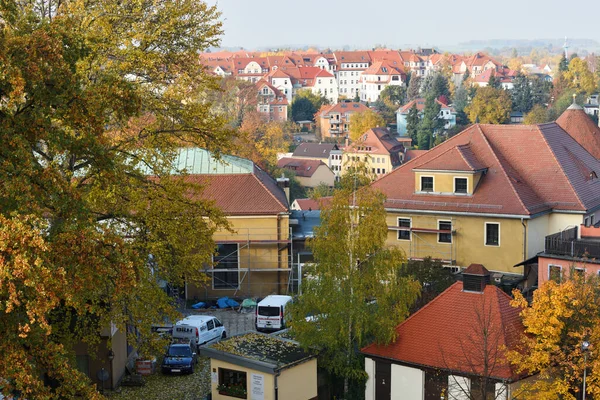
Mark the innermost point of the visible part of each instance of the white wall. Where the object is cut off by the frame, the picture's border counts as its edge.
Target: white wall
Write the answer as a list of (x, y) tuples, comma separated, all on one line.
[(407, 383), (537, 230), (370, 387), (558, 222)]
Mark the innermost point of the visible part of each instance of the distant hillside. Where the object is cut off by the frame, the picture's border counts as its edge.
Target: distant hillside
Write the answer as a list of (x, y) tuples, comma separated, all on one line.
[(589, 45)]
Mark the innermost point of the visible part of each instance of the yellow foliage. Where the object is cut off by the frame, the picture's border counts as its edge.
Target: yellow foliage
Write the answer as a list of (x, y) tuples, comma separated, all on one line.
[(363, 121), (489, 106)]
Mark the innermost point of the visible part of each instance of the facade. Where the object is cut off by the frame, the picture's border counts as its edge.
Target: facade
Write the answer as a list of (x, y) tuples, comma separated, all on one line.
[(282, 82), (319, 81), (350, 66), (503, 74), (272, 104), (377, 149), (252, 260), (310, 173), (481, 197), (260, 366), (377, 77), (334, 120), (447, 113), (329, 153), (441, 352)]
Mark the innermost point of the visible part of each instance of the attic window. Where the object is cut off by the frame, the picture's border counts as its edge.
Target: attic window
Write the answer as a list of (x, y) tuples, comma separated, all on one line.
[(427, 184), (460, 185)]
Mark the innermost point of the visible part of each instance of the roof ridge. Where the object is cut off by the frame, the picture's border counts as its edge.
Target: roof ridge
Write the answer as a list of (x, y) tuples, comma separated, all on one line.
[(265, 187), (559, 164), (438, 156), (486, 141)]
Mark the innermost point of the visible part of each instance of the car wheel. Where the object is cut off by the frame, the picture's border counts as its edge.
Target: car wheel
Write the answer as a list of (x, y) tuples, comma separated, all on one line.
[(224, 335)]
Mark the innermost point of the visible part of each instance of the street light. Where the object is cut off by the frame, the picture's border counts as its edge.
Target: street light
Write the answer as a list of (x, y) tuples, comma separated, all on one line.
[(585, 347)]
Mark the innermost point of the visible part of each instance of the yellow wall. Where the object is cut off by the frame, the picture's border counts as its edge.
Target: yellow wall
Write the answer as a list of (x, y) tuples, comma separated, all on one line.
[(444, 182), (253, 256), (299, 382), (322, 175), (467, 243), (296, 383), (370, 161)]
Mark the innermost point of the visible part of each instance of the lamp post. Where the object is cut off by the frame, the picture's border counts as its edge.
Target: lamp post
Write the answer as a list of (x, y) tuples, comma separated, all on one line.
[(585, 346)]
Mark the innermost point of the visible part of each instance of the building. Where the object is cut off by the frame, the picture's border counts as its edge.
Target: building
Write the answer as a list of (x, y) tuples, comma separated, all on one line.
[(329, 153), (310, 173), (272, 104), (319, 81), (260, 366), (447, 113), (581, 127), (377, 77), (253, 259), (378, 149), (350, 66), (481, 197), (443, 349), (334, 120), (504, 75), (281, 81)]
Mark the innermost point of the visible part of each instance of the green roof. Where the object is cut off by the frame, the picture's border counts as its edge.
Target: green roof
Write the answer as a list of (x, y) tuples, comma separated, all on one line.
[(200, 161)]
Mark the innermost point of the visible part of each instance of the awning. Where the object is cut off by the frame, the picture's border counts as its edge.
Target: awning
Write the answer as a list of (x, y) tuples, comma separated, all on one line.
[(532, 260)]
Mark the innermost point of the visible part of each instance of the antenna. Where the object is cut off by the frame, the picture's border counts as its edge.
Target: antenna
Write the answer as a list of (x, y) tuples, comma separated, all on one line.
[(566, 47)]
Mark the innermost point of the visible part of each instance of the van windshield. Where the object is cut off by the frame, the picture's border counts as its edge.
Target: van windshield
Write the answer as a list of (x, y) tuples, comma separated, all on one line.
[(268, 311)]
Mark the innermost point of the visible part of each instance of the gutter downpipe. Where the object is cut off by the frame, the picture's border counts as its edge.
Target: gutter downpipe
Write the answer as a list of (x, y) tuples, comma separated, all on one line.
[(276, 386), (524, 239)]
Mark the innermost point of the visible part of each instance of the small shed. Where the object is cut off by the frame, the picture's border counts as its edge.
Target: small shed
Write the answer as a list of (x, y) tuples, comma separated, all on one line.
[(257, 366)]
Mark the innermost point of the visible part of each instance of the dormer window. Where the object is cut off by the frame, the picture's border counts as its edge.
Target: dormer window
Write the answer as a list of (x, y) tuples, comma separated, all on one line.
[(427, 184), (460, 185)]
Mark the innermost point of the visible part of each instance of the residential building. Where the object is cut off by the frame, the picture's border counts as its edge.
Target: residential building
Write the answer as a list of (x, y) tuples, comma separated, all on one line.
[(334, 120), (329, 153), (378, 149), (377, 77), (349, 67), (259, 366), (481, 196), (319, 81), (592, 106), (272, 104), (281, 81), (447, 113), (504, 75), (455, 347), (309, 173), (252, 259)]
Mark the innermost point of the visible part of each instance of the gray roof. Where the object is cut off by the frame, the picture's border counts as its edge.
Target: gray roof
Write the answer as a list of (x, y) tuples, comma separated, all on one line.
[(314, 150)]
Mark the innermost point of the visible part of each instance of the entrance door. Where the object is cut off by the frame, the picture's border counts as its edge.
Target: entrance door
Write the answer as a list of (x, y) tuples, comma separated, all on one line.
[(383, 375)]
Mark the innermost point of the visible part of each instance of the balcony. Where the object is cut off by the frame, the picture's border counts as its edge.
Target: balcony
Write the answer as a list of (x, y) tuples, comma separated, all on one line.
[(566, 243)]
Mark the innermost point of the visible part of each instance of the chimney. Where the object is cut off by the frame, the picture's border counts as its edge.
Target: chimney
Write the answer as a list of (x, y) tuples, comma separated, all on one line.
[(475, 278), (284, 183)]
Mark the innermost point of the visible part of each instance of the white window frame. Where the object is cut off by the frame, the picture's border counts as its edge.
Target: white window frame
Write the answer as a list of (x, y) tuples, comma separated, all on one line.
[(410, 227), (438, 234), (485, 234), (561, 271), (432, 183), (454, 184), (238, 271), (582, 269)]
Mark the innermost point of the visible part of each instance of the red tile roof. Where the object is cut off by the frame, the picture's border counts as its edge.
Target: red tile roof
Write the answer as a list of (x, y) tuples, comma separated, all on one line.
[(384, 68), (459, 158), (581, 127), (515, 182), (446, 333), (301, 166), (411, 154), (344, 107), (313, 204), (379, 140), (420, 103)]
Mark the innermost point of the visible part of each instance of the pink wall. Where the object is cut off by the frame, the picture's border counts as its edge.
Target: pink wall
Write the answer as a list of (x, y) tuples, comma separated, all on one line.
[(545, 262)]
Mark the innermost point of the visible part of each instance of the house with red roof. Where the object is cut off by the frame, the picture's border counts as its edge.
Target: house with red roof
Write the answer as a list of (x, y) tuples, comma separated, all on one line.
[(319, 81), (447, 113), (349, 66), (378, 149), (493, 192), (452, 348), (251, 259), (504, 75), (334, 120), (378, 76), (309, 172), (271, 104)]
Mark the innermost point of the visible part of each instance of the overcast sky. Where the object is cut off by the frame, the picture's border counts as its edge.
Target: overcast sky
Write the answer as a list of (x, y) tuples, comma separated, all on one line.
[(364, 23)]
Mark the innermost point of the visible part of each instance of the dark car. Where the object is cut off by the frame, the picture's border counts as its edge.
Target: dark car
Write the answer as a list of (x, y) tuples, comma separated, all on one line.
[(179, 358)]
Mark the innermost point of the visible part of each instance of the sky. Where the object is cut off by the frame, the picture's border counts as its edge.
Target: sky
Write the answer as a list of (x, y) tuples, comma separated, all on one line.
[(406, 23)]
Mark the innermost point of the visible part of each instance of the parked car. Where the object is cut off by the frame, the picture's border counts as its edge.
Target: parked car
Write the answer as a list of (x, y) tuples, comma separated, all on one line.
[(200, 329), (179, 358), (270, 313)]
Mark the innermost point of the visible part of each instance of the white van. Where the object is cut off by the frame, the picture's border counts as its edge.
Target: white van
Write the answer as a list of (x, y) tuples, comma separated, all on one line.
[(270, 313), (199, 329)]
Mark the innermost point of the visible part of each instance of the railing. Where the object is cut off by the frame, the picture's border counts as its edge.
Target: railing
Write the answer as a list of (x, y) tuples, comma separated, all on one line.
[(565, 243)]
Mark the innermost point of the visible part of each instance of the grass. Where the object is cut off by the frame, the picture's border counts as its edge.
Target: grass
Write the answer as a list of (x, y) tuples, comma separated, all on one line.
[(181, 387)]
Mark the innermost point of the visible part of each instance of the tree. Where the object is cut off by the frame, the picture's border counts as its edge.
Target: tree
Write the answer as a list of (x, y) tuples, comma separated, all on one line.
[(431, 274), (354, 292), (540, 90), (430, 124), (489, 106), (412, 123), (306, 104), (388, 102), (96, 96), (580, 78), (522, 98), (236, 98), (537, 115), (559, 319), (414, 87), (461, 100), (261, 140), (494, 82), (563, 66), (360, 122)]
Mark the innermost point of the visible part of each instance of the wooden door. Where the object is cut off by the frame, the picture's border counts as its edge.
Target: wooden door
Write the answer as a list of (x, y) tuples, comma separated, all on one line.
[(383, 377)]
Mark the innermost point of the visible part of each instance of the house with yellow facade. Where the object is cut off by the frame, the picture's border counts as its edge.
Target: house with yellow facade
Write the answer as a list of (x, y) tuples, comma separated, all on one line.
[(378, 149), (251, 260), (492, 193)]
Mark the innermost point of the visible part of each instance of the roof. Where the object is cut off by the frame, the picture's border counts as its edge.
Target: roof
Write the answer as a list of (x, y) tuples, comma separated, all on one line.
[(312, 204), (515, 183), (315, 150), (446, 333), (302, 167), (420, 103), (379, 140), (344, 107), (258, 351), (410, 154), (383, 68), (581, 127)]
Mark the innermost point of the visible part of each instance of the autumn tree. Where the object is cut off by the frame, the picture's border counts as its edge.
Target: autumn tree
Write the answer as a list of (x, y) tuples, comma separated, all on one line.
[(579, 76), (236, 98), (537, 115), (360, 122), (560, 318), (96, 96), (389, 101), (353, 291), (489, 106)]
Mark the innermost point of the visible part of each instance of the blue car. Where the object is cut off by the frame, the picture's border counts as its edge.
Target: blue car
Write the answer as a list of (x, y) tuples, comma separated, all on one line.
[(179, 359)]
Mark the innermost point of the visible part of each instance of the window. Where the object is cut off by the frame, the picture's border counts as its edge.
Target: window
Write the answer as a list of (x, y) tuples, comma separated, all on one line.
[(578, 272), (404, 234), (555, 273), (492, 234), (383, 170), (427, 184), (445, 237), (210, 325), (460, 185), (232, 383), (226, 258)]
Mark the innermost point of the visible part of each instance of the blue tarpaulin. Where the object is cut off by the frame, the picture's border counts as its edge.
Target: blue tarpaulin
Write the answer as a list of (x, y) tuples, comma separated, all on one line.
[(199, 305), (225, 302)]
